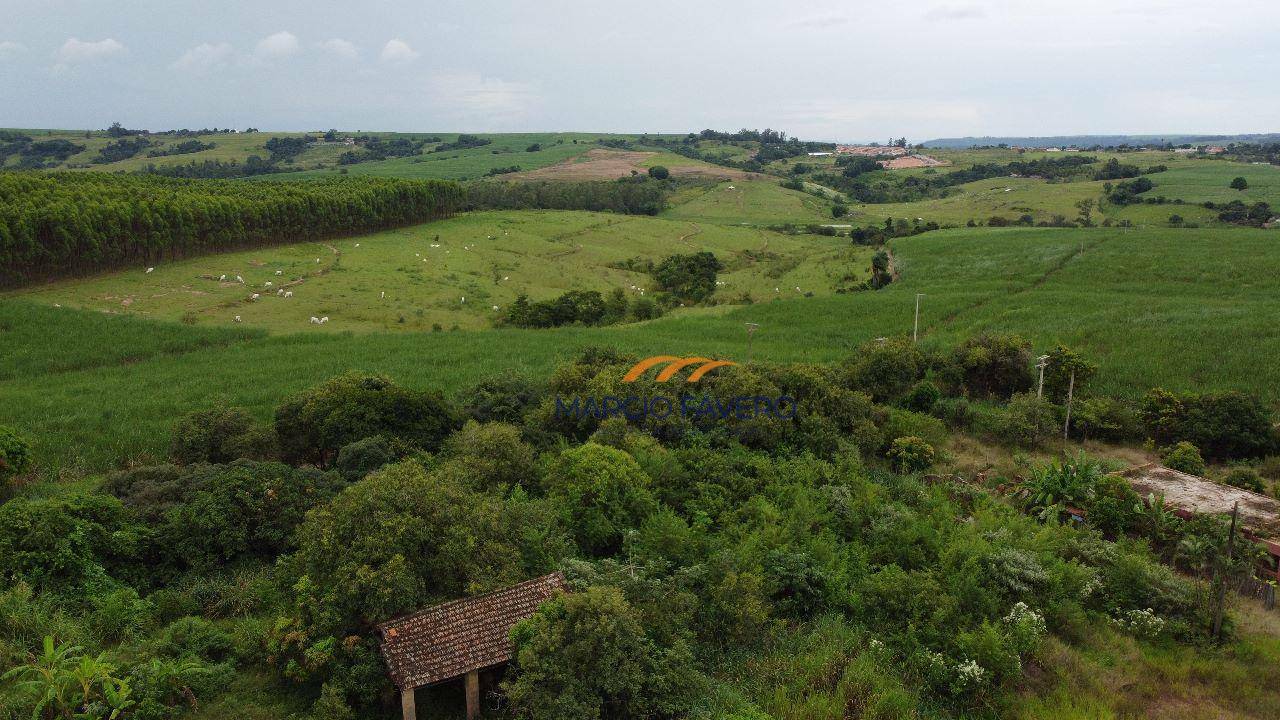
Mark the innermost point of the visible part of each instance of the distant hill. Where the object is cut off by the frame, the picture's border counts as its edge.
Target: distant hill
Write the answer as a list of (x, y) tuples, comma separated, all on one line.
[(1091, 140)]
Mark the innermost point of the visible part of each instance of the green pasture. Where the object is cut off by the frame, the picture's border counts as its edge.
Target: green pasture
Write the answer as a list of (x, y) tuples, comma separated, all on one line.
[(1184, 309), (460, 272)]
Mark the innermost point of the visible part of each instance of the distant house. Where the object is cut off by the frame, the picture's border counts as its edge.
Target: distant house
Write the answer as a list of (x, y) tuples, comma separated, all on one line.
[(819, 154), (1184, 151), (1053, 149), (1214, 149)]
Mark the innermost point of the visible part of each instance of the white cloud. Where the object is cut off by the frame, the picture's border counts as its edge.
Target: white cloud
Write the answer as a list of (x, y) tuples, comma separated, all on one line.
[(341, 48), (75, 51), (398, 51), (8, 48), (956, 12), (278, 45), (473, 95), (205, 56)]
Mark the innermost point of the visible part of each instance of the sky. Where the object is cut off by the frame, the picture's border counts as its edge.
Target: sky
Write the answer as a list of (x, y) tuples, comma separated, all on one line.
[(836, 71)]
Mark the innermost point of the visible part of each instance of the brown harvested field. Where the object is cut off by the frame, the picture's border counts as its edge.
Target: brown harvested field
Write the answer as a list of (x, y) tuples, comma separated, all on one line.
[(606, 164)]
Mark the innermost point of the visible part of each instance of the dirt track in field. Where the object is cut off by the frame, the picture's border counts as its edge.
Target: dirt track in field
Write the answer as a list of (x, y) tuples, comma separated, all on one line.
[(605, 164)]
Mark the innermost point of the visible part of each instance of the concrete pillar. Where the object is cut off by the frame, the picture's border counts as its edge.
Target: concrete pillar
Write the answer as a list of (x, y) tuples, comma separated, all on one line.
[(473, 694), (407, 706)]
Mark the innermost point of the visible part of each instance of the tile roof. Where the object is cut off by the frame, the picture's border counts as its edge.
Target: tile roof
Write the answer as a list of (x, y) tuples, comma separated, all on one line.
[(454, 638)]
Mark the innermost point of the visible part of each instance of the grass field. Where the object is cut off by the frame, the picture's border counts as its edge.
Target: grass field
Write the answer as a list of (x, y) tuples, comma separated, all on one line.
[(1139, 303), (755, 202), (454, 273)]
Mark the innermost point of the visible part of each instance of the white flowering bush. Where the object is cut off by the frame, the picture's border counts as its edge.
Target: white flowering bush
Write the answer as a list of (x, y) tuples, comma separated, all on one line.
[(969, 677), (1142, 623), (1026, 627)]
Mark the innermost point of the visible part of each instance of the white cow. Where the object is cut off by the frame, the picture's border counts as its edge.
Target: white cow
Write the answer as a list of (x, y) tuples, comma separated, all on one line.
[(288, 293), (149, 270)]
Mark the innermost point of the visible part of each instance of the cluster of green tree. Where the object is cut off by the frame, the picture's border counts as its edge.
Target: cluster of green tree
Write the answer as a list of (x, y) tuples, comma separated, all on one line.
[(217, 169), (690, 542), (1254, 152), (879, 234), (285, 149), (502, 170), (35, 154), (1239, 213), (119, 131), (860, 181), (60, 224), (638, 195), (184, 132), (186, 147), (464, 142), (121, 149), (1113, 170), (380, 148), (580, 307), (688, 278), (1126, 193)]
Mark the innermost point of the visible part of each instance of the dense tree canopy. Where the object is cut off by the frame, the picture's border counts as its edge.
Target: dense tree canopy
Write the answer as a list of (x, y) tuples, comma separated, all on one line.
[(62, 224)]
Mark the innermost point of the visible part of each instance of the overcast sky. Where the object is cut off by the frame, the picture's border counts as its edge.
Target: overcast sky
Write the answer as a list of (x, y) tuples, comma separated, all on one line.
[(820, 70)]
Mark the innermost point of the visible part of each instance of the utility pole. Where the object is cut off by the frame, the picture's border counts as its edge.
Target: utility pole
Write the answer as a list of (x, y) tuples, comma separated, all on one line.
[(1041, 362), (1071, 389), (751, 331), (915, 332), (1222, 581)]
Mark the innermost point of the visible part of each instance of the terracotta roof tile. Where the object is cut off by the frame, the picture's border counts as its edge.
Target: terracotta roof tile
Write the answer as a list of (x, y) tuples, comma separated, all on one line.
[(451, 639)]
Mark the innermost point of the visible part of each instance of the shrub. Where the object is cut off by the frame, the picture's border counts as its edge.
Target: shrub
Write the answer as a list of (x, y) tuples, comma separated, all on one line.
[(501, 398), (205, 515), (991, 365), (194, 637), (1061, 364), (1239, 183), (492, 455), (68, 544), (885, 369), (315, 423), (1107, 419), (903, 423), (659, 172), (1027, 421), (560, 651), (922, 397), (689, 277), (601, 492), (1245, 478), (1184, 457), (910, 454), (362, 457), (217, 435), (1222, 425), (15, 453), (403, 537)]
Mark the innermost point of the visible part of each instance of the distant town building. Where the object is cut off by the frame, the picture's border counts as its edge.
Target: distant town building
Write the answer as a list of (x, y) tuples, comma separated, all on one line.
[(1214, 149), (819, 154)]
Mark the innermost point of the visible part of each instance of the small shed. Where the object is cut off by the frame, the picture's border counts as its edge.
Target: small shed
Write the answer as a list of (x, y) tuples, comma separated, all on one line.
[(459, 638), (1189, 494)]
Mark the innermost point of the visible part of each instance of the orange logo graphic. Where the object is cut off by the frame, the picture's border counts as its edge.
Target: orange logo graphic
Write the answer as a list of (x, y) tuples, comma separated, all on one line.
[(676, 364)]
